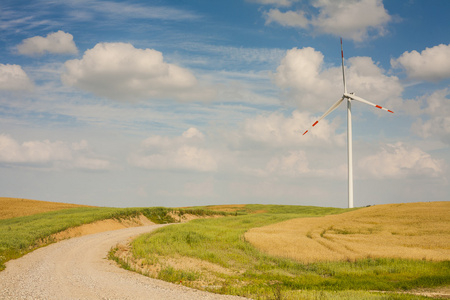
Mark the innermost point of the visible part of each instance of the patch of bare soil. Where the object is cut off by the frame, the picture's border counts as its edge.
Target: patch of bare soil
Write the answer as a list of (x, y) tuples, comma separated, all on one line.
[(439, 293), (188, 217), (17, 207), (436, 293), (101, 226)]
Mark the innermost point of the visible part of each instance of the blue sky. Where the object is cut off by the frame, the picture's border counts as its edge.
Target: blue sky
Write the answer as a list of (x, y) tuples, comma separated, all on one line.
[(183, 103)]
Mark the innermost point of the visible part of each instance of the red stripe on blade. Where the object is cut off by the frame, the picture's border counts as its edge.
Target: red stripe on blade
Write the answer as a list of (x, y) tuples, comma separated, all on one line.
[(378, 106), (305, 132), (390, 111), (315, 123)]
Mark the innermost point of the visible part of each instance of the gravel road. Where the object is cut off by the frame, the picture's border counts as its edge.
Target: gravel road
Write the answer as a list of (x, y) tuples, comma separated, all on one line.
[(77, 269)]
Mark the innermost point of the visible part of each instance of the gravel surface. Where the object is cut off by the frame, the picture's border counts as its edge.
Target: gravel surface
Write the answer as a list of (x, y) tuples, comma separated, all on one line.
[(78, 269)]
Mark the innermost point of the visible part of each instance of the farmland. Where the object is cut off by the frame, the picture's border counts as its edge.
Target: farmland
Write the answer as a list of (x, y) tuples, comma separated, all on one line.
[(254, 250), (215, 255), (17, 207), (405, 231)]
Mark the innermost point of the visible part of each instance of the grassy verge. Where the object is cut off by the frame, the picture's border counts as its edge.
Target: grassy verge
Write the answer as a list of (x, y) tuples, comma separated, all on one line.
[(21, 235), (241, 269)]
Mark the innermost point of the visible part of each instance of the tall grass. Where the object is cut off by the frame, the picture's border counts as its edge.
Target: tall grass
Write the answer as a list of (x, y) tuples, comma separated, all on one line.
[(250, 272)]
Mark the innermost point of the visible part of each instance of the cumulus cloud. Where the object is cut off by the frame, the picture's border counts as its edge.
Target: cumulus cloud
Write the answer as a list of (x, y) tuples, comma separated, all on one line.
[(120, 71), (301, 70), (278, 131), (351, 19), (58, 42), (287, 19), (47, 154), (312, 86), (185, 152), (262, 146), (268, 145), (401, 161), (432, 64), (292, 164), (14, 78), (356, 19), (273, 2), (436, 111)]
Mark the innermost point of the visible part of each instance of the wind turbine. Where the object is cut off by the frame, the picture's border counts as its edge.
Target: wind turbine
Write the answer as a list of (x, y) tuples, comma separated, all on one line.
[(349, 97)]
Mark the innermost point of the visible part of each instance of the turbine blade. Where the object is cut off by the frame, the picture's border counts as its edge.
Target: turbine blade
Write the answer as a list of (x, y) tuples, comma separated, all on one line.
[(333, 107), (343, 72), (354, 97)]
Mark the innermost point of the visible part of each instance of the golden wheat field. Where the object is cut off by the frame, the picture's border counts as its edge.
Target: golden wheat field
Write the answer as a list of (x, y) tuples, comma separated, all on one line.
[(16, 207), (410, 231)]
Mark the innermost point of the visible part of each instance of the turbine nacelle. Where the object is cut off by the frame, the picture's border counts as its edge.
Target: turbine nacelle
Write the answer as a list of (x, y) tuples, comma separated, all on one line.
[(349, 95)]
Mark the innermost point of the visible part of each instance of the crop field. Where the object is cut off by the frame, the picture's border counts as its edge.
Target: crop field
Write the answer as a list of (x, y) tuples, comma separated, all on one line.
[(15, 207), (406, 231), (214, 255)]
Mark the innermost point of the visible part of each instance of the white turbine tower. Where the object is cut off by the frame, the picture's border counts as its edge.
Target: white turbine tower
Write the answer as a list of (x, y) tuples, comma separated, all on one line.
[(349, 97)]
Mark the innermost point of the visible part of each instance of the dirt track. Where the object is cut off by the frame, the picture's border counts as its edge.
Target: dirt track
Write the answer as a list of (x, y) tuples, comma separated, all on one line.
[(77, 269)]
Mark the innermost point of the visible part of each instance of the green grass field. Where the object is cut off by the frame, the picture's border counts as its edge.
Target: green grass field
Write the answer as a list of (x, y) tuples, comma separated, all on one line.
[(244, 270), (21, 235)]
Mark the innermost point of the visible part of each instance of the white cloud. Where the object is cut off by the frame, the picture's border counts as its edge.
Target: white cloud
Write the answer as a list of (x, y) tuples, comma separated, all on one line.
[(120, 71), (261, 146), (432, 64), (14, 78), (288, 19), (301, 71), (273, 146), (368, 80), (292, 164), (437, 117), (296, 163), (355, 19), (186, 152), (401, 161), (58, 42), (277, 131), (312, 86), (274, 2), (47, 154), (117, 10), (351, 19)]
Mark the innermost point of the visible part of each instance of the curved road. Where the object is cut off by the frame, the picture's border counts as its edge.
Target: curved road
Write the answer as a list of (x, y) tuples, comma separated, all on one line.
[(77, 269)]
